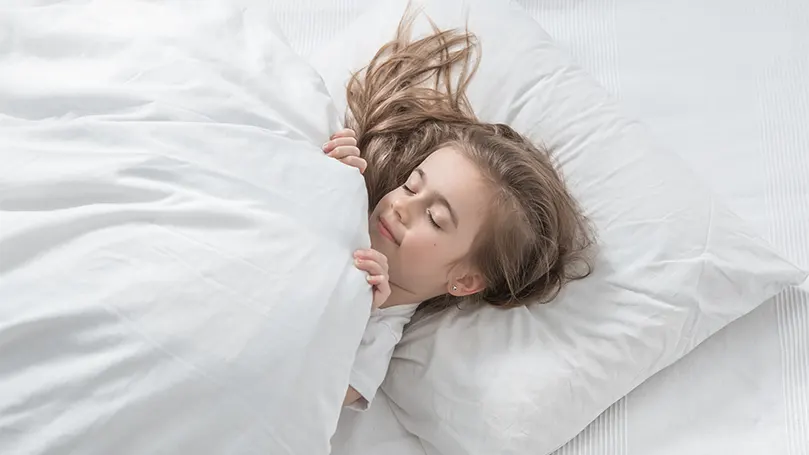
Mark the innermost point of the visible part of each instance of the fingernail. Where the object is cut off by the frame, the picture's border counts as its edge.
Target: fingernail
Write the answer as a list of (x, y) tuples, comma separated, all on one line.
[(325, 145), (357, 261)]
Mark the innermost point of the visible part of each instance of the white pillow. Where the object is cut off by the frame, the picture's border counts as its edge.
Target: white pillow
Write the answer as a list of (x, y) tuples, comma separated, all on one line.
[(175, 249), (674, 264)]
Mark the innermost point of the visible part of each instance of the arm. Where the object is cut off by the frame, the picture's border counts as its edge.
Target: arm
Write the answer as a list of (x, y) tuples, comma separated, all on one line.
[(382, 334), (377, 344), (351, 396)]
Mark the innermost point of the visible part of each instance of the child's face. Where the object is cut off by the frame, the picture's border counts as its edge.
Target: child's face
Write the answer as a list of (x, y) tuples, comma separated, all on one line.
[(427, 226)]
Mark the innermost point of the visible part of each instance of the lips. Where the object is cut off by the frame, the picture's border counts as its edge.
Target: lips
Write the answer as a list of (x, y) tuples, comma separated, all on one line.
[(386, 231)]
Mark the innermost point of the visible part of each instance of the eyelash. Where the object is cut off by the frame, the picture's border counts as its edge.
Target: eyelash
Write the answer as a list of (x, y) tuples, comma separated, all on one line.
[(432, 220), (429, 215)]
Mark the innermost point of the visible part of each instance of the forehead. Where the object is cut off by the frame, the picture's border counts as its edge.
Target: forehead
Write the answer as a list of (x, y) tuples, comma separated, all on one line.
[(454, 176)]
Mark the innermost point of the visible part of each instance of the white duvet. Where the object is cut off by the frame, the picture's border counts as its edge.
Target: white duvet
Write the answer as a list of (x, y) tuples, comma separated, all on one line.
[(175, 250)]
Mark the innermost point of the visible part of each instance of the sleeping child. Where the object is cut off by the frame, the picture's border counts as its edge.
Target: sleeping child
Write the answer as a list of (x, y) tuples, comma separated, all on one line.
[(462, 210)]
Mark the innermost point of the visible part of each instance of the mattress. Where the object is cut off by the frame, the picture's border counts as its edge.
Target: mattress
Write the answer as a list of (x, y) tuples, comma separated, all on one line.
[(724, 84)]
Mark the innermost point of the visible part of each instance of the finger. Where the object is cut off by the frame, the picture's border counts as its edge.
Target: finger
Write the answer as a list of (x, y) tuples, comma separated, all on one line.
[(351, 141), (378, 257), (375, 280), (340, 141), (369, 266), (344, 151), (373, 255), (355, 161), (345, 132)]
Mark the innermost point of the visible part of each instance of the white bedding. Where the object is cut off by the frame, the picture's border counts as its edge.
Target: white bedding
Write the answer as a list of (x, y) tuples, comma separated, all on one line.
[(724, 83), (175, 249)]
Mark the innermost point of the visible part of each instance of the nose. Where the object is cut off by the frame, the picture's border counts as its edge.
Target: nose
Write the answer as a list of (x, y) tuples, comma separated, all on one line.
[(401, 208)]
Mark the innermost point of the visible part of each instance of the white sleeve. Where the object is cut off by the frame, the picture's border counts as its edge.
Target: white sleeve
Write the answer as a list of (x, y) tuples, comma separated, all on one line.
[(383, 332)]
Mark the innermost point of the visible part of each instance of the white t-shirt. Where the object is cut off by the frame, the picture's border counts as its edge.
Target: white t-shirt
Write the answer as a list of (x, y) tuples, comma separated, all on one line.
[(383, 331)]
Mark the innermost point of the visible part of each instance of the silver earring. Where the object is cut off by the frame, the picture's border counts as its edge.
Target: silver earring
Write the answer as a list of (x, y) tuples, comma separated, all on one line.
[(454, 288)]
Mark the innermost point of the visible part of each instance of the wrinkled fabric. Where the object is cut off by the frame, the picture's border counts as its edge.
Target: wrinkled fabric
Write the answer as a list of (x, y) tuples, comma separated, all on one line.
[(175, 249)]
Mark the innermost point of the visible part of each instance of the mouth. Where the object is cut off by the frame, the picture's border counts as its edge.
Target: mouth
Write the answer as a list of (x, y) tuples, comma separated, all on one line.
[(386, 231)]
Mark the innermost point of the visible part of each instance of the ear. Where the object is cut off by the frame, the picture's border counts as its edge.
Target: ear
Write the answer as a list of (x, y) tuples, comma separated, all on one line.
[(470, 283)]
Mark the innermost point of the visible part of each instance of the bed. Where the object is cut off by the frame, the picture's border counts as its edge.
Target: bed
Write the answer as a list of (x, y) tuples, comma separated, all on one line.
[(723, 84)]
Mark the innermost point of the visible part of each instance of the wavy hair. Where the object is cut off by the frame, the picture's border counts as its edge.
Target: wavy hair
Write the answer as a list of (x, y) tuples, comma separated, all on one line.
[(410, 101)]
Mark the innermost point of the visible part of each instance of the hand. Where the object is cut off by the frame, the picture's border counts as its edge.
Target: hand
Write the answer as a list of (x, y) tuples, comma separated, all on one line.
[(343, 146), (376, 265)]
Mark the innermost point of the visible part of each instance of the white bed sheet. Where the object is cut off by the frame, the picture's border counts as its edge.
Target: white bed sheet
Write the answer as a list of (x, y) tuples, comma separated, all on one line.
[(153, 229), (723, 83), (374, 432)]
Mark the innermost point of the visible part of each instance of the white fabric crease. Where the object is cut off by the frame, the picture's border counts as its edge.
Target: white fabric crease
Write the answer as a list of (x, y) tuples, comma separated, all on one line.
[(175, 248)]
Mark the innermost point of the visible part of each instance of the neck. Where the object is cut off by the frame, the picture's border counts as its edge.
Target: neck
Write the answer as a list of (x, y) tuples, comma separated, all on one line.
[(401, 296)]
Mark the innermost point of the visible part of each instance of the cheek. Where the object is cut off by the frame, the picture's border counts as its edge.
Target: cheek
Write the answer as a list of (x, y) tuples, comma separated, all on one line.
[(388, 198), (425, 247), (378, 207), (384, 202)]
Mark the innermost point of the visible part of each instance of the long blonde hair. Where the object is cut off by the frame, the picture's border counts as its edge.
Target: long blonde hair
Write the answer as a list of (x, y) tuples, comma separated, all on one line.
[(411, 100)]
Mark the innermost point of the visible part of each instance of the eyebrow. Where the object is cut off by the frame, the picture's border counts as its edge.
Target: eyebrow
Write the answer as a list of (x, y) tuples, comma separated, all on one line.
[(440, 198)]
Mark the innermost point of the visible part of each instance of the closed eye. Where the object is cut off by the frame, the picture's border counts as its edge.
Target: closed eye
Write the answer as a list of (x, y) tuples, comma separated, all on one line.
[(407, 189), (432, 220)]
